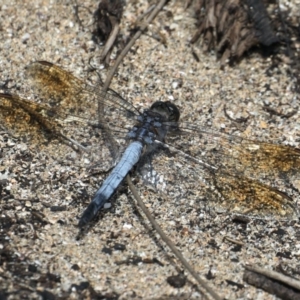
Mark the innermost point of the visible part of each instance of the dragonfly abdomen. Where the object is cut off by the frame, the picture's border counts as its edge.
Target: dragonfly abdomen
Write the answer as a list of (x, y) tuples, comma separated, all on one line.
[(130, 157)]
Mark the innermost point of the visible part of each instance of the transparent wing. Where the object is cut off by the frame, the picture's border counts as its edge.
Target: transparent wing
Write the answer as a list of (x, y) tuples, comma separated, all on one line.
[(70, 109), (227, 172), (253, 159)]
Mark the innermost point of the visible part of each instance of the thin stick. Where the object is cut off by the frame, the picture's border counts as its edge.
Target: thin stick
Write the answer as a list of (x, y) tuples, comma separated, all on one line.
[(275, 275), (111, 39), (111, 73), (169, 243), (132, 188), (271, 286)]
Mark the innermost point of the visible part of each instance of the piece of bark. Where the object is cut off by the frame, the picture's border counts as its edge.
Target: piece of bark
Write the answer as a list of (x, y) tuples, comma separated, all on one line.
[(273, 282), (232, 27)]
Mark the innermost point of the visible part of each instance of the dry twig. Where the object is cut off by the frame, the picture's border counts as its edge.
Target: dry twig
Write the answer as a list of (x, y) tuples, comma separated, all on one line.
[(107, 23), (169, 243), (273, 282), (144, 25)]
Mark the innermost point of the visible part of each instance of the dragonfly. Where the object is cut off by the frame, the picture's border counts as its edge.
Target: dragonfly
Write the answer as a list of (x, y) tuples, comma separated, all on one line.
[(182, 160)]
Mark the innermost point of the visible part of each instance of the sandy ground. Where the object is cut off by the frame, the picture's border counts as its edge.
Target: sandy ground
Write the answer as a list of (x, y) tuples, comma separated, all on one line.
[(42, 256)]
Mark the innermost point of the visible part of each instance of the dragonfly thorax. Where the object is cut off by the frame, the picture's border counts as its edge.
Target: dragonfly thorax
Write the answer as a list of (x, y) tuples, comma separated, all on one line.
[(145, 130), (151, 126)]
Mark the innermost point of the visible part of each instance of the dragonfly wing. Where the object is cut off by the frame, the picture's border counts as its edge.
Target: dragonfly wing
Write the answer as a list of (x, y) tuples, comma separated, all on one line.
[(69, 108), (257, 160), (61, 89), (226, 172)]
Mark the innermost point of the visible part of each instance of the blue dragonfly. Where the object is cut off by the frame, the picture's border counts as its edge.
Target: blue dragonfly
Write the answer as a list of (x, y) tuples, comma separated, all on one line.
[(181, 159)]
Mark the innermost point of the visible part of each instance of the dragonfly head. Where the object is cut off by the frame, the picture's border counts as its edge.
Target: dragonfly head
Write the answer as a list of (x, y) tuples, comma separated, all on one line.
[(166, 109)]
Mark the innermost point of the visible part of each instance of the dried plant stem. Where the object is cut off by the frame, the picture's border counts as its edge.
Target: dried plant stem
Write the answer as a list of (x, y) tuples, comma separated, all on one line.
[(275, 275), (169, 243), (110, 74), (144, 25), (112, 38), (107, 82)]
